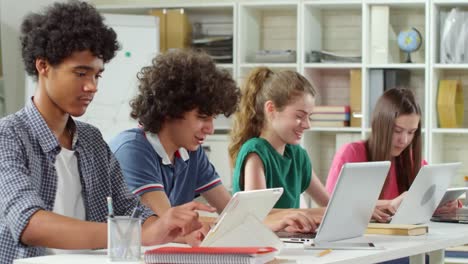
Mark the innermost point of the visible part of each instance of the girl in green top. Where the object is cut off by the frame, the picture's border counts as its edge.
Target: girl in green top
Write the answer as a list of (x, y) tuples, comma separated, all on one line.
[(273, 114)]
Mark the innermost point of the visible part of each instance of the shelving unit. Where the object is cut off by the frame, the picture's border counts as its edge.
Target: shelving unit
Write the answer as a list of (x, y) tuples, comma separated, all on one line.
[(342, 27), (446, 144)]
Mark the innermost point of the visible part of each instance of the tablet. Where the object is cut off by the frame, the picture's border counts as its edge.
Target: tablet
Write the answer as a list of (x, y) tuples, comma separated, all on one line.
[(243, 211), (452, 194)]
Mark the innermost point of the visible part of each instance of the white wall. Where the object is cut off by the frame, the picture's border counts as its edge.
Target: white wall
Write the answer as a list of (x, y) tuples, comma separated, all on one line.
[(12, 13)]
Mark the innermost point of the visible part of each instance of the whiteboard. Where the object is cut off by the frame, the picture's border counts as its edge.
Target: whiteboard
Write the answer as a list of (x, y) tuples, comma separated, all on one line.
[(138, 37)]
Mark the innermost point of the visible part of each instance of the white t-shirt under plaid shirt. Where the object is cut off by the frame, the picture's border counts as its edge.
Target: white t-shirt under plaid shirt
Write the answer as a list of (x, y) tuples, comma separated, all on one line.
[(28, 178)]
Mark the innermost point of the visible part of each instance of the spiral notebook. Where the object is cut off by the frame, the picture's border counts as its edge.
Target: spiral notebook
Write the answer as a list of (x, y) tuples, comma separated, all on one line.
[(210, 255)]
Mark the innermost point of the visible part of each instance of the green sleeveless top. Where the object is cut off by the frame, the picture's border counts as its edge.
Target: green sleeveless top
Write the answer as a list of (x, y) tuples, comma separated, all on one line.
[(292, 171)]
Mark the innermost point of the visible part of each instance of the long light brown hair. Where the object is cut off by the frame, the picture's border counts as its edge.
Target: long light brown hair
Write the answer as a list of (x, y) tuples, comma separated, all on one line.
[(262, 85), (392, 104)]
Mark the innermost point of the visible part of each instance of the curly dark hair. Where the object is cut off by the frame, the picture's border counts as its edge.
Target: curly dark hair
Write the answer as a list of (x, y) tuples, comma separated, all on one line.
[(62, 29), (180, 81)]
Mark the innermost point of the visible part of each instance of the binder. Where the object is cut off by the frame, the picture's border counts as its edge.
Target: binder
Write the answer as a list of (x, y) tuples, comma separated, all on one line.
[(379, 41), (210, 255), (450, 105), (355, 95), (175, 28), (381, 80)]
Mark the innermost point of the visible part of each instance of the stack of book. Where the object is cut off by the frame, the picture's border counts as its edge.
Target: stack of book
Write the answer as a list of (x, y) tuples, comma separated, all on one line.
[(330, 116)]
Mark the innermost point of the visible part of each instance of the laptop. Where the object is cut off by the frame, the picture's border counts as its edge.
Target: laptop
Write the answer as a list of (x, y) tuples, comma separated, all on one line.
[(425, 193), (241, 222), (351, 204), (460, 215)]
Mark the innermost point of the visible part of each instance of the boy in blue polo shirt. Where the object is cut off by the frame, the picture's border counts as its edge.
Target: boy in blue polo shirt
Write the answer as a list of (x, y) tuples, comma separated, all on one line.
[(179, 96)]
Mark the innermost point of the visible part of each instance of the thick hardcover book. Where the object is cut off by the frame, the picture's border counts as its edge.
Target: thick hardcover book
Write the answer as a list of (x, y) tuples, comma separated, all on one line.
[(391, 229)]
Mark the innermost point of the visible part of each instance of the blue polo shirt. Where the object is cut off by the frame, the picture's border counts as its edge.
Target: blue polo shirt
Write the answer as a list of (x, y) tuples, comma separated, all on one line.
[(146, 167)]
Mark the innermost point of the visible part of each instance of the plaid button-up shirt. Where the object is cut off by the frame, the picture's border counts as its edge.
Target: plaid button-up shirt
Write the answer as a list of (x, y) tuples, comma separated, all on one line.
[(28, 179)]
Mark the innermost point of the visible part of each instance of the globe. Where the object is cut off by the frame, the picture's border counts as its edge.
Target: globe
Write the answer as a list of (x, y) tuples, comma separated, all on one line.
[(409, 40)]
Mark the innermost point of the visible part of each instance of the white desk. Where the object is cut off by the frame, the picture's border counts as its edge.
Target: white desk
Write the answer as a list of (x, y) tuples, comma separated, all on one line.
[(440, 237)]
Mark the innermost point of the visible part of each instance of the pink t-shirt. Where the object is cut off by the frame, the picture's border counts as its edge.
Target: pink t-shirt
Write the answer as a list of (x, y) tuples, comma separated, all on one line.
[(357, 152)]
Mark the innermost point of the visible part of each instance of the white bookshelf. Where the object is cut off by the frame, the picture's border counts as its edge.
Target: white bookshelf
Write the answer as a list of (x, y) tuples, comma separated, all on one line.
[(446, 144), (342, 27)]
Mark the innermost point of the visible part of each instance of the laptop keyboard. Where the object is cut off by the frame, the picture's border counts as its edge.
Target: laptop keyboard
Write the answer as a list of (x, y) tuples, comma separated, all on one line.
[(283, 234)]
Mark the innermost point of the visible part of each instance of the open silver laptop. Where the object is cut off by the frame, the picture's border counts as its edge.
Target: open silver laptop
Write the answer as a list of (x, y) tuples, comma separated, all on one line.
[(351, 204), (425, 193)]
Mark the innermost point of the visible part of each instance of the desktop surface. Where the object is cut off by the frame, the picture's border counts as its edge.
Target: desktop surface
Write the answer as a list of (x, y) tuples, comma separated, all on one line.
[(440, 236)]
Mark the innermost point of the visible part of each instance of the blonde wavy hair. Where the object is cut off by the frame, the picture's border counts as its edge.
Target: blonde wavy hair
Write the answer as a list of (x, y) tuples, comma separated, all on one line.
[(262, 85)]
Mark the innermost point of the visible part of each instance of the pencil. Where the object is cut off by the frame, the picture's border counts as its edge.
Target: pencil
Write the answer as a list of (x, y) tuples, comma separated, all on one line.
[(324, 252)]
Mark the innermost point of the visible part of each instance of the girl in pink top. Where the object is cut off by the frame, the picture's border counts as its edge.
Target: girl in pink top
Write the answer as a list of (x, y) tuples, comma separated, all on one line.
[(395, 136)]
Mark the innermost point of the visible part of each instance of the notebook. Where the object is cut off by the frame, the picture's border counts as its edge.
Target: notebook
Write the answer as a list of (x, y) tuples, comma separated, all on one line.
[(242, 217), (352, 202), (425, 193), (210, 255)]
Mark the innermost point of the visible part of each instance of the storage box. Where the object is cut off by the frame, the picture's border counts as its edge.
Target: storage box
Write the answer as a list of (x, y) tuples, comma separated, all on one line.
[(175, 28)]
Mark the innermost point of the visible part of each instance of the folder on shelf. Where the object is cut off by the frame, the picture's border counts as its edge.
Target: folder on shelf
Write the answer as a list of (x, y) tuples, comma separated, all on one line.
[(355, 94), (209, 255), (450, 104), (401, 230), (379, 42), (381, 80), (376, 89)]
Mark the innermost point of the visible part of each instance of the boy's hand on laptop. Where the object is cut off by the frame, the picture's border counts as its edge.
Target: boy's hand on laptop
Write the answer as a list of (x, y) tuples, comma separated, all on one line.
[(448, 208), (177, 221)]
